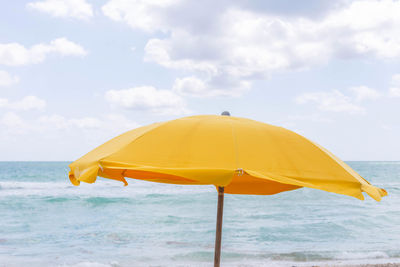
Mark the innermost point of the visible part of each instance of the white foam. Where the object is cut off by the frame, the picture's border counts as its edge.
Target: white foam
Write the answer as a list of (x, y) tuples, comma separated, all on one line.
[(102, 188), (239, 263), (91, 264), (345, 255)]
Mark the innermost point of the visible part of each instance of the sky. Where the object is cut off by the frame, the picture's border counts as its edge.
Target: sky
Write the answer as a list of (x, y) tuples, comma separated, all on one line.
[(75, 73)]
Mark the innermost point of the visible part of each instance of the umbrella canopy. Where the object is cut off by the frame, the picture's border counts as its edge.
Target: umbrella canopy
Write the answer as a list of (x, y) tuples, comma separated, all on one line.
[(243, 156), (237, 155)]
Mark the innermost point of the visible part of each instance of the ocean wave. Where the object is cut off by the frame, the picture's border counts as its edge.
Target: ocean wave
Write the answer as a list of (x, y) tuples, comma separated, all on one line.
[(239, 260), (100, 189), (91, 264)]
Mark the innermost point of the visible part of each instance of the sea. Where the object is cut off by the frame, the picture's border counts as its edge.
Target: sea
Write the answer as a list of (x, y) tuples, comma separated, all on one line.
[(46, 221)]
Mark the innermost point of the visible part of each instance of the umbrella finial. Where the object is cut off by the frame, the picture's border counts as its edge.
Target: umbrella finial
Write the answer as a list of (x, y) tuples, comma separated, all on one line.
[(225, 113)]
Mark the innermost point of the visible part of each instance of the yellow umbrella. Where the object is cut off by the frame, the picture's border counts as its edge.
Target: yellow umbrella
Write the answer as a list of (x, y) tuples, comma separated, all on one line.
[(237, 155)]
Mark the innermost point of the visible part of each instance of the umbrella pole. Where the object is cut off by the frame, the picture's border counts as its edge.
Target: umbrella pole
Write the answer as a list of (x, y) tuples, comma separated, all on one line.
[(218, 232)]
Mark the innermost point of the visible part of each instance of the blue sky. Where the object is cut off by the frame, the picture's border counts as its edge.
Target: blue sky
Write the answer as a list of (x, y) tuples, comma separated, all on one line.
[(75, 73)]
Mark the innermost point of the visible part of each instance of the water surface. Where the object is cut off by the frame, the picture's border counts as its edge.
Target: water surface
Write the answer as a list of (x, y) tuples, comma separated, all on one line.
[(46, 221)]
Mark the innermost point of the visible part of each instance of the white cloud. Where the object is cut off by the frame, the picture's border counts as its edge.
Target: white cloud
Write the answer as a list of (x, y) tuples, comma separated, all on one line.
[(56, 121), (242, 45), (121, 122), (139, 14), (189, 86), (3, 102), (395, 90), (386, 127), (27, 103), (60, 122), (193, 86), (366, 30), (14, 54), (92, 123), (79, 9), (331, 101), (12, 123), (313, 117), (336, 101), (53, 134), (364, 93), (118, 122), (396, 79), (159, 51), (12, 120), (147, 98), (294, 121), (7, 79)]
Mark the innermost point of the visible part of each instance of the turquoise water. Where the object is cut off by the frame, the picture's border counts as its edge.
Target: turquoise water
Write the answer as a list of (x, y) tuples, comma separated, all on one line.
[(45, 221)]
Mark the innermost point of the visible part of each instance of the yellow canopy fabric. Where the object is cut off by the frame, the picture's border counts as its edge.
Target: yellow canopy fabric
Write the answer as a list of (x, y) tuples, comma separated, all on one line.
[(242, 155)]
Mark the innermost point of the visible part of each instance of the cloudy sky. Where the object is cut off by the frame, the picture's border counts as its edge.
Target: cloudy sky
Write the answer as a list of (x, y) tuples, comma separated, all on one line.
[(74, 73)]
